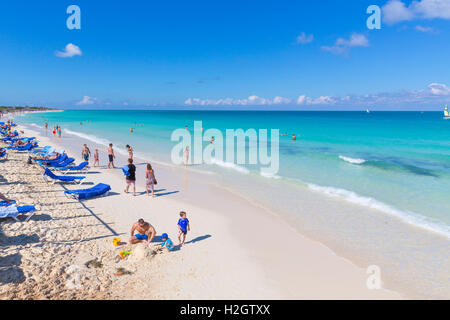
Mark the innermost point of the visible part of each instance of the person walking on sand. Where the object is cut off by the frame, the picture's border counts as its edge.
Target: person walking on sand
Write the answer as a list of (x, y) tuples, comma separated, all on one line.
[(85, 153), (183, 227), (131, 177), (59, 132), (145, 230), (130, 151), (96, 161), (186, 156), (111, 156), (150, 180)]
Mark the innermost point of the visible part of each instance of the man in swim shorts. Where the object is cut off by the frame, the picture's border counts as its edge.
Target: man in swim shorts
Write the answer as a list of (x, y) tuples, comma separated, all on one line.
[(85, 153), (145, 230), (111, 156)]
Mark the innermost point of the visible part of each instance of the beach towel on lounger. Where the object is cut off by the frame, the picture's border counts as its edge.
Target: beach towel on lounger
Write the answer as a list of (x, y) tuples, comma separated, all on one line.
[(98, 190), (13, 212)]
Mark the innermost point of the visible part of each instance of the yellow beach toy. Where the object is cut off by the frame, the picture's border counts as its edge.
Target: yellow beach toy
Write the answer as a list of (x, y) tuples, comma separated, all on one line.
[(116, 242)]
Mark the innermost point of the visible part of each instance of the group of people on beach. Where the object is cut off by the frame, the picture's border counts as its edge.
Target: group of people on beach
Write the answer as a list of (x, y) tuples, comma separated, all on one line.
[(146, 232), (130, 169), (56, 129)]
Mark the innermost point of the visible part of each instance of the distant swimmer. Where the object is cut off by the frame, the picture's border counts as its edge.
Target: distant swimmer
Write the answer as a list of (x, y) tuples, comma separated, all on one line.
[(186, 127), (131, 130), (294, 137)]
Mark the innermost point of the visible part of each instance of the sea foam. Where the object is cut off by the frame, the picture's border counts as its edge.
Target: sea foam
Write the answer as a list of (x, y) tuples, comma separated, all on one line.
[(409, 217), (352, 160)]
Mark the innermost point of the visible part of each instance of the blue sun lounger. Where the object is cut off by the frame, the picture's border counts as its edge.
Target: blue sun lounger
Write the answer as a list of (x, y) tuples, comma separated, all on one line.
[(13, 212), (26, 147), (55, 178), (81, 167), (100, 189), (63, 164), (3, 203), (57, 160), (3, 155), (45, 151)]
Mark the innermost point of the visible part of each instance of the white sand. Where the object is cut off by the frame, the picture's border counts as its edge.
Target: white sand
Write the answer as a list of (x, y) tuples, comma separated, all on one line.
[(237, 253)]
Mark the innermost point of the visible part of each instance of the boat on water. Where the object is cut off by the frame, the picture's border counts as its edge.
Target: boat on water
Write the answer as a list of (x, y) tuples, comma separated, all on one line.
[(446, 113), (367, 110)]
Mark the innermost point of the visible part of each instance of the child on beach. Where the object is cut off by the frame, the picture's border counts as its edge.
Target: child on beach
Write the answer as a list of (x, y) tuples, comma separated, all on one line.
[(150, 179), (96, 161), (183, 227), (167, 243)]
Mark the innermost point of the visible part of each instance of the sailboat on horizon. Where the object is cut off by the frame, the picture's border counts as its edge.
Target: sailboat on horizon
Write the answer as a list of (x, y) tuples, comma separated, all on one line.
[(446, 113)]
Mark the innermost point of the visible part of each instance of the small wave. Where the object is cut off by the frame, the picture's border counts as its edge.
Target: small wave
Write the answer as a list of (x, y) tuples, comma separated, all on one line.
[(230, 165), (269, 175), (406, 216), (351, 160), (35, 125), (89, 137)]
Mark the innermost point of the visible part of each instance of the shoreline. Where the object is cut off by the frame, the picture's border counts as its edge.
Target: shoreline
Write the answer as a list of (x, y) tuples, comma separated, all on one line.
[(322, 285)]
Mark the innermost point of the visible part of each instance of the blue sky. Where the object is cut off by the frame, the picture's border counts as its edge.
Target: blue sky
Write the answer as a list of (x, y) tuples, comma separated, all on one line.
[(278, 54)]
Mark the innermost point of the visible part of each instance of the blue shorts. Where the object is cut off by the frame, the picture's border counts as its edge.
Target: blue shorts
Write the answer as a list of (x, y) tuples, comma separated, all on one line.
[(141, 236)]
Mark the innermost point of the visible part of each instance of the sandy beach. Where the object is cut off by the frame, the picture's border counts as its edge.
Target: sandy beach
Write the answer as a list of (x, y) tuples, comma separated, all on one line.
[(235, 250)]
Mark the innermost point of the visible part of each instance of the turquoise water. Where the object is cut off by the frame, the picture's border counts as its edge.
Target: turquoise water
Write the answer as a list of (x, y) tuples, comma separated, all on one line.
[(396, 162)]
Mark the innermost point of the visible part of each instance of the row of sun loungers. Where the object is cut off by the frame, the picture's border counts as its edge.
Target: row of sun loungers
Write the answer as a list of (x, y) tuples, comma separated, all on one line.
[(62, 163)]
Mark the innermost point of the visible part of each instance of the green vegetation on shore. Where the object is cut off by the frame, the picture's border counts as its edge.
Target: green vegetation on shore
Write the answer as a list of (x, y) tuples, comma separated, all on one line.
[(7, 109)]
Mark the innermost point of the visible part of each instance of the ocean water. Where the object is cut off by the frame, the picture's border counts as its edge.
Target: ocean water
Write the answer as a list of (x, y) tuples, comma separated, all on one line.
[(374, 187), (396, 162)]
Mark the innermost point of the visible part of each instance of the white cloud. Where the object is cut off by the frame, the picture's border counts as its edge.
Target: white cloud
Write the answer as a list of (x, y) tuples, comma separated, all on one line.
[(424, 29), (342, 45), (304, 39), (87, 101), (322, 100), (69, 51), (439, 89), (250, 101), (395, 11), (435, 94)]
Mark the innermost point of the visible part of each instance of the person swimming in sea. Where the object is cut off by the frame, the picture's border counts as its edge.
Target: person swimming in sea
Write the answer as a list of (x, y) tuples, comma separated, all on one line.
[(294, 137)]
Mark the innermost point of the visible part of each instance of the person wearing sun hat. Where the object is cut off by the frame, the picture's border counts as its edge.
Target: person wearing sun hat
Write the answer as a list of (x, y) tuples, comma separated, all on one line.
[(166, 242)]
